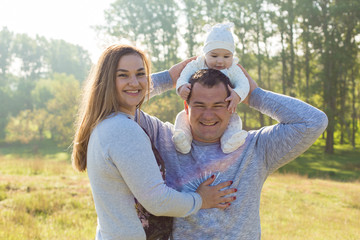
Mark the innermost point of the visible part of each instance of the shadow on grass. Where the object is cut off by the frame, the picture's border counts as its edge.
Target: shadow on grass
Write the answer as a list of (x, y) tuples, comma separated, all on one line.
[(45, 148), (343, 165)]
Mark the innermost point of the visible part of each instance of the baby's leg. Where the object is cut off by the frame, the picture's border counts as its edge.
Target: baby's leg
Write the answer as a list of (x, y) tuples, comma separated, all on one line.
[(182, 135), (233, 136)]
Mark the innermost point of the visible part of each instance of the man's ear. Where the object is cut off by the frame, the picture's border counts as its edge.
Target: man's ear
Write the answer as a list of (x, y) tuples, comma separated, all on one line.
[(186, 108)]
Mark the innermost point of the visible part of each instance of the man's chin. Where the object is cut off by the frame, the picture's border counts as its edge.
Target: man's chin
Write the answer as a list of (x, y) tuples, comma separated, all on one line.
[(207, 138)]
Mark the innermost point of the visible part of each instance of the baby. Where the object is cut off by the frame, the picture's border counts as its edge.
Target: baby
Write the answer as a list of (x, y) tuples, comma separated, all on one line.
[(218, 54)]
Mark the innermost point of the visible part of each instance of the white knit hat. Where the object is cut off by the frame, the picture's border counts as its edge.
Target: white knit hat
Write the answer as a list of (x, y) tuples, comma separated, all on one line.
[(219, 36)]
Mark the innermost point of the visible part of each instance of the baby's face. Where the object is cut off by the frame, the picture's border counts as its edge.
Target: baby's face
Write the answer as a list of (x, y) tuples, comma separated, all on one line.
[(219, 59)]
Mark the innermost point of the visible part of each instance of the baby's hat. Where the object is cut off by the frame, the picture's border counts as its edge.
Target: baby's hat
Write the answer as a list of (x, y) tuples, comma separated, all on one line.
[(219, 36)]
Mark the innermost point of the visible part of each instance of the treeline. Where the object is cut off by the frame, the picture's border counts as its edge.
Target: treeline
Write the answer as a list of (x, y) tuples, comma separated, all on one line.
[(308, 49), (39, 87)]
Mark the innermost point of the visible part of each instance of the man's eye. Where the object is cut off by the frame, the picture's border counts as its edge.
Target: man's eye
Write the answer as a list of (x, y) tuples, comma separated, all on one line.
[(219, 106)]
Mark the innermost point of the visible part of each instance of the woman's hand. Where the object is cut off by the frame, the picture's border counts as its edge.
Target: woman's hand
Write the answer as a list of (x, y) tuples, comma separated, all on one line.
[(176, 70), (252, 84), (213, 197)]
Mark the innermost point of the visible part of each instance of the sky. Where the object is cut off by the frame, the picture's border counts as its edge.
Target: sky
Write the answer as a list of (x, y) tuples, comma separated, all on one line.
[(70, 20)]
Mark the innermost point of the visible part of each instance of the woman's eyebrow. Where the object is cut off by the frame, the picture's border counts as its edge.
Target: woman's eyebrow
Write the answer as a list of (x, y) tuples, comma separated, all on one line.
[(124, 70)]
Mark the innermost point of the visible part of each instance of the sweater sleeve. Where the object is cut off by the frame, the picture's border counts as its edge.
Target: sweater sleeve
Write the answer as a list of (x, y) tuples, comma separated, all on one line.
[(133, 157), (300, 124), (161, 82), (239, 80)]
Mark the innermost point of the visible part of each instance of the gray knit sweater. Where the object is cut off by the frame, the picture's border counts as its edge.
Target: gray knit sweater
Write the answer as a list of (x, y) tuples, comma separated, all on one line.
[(121, 166), (264, 151)]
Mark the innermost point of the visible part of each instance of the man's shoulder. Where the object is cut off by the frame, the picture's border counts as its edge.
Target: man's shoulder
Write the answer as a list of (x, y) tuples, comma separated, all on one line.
[(154, 124)]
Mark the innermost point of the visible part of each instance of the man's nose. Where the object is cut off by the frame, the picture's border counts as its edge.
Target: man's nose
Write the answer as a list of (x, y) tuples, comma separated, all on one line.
[(208, 113)]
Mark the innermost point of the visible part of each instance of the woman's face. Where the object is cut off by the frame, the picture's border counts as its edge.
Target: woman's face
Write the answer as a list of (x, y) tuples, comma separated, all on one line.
[(131, 82)]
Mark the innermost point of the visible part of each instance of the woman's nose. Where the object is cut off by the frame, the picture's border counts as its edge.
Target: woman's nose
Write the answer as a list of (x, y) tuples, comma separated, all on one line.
[(133, 80)]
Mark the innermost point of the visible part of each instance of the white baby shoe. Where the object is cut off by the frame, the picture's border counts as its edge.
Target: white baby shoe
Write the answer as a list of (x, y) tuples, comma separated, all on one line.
[(233, 142), (181, 141)]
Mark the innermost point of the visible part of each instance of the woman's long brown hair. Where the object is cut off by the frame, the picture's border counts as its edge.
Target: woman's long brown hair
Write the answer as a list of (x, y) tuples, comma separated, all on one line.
[(99, 98)]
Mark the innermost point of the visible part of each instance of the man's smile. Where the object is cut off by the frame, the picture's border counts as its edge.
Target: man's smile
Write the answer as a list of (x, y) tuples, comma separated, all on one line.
[(208, 123)]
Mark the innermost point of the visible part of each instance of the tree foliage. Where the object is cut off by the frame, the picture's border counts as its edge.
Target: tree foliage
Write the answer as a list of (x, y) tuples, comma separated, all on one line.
[(304, 48), (39, 86), (307, 49), (55, 106)]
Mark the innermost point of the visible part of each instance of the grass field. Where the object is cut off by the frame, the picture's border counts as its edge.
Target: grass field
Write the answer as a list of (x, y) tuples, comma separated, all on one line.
[(42, 197)]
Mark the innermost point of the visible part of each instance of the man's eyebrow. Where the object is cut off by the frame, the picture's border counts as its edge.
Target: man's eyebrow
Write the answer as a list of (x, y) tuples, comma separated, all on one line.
[(220, 103), (197, 102), (124, 70), (216, 103)]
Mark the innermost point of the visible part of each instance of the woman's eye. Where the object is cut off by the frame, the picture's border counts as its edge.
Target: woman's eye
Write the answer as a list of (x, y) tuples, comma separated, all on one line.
[(140, 74), (122, 75)]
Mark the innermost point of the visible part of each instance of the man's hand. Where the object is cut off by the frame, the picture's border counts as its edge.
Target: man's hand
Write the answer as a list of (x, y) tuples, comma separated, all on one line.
[(234, 100), (175, 70), (252, 84)]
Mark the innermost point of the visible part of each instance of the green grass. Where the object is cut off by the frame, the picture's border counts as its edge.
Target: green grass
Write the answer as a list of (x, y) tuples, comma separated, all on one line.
[(42, 197), (46, 148), (343, 165)]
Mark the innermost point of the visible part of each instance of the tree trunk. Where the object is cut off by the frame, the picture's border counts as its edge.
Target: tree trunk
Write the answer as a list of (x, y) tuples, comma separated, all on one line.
[(291, 45), (353, 115), (283, 61)]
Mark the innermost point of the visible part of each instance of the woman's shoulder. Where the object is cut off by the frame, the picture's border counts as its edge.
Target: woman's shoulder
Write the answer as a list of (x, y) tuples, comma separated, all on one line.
[(117, 123)]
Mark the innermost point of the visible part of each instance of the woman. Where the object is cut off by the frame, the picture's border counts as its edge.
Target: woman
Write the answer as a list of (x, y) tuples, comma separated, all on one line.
[(117, 153)]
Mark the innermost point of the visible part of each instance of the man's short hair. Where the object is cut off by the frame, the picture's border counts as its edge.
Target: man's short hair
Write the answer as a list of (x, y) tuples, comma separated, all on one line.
[(209, 78)]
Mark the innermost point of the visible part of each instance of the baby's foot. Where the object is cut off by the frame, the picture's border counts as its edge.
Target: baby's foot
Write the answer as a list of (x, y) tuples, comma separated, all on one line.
[(182, 142), (234, 142)]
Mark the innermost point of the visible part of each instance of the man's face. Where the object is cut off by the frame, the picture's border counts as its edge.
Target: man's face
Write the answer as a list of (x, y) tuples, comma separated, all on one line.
[(207, 112)]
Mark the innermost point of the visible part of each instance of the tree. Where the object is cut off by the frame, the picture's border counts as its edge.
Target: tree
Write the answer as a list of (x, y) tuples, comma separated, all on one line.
[(27, 126), (194, 23), (148, 23), (55, 106), (6, 54), (64, 57), (63, 107), (30, 52)]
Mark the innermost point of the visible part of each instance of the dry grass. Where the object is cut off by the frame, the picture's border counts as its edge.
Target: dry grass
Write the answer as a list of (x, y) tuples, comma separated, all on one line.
[(44, 200), (294, 207), (47, 199)]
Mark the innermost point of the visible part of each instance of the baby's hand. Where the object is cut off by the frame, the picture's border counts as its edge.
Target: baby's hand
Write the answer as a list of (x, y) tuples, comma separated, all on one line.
[(184, 91), (234, 100)]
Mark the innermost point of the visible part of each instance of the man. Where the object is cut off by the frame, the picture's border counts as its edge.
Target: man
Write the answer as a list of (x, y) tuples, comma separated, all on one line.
[(264, 151)]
